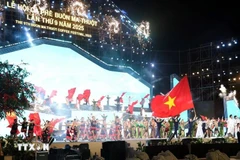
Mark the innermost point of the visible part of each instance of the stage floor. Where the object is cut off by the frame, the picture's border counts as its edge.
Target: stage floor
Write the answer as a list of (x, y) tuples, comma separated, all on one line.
[(95, 147)]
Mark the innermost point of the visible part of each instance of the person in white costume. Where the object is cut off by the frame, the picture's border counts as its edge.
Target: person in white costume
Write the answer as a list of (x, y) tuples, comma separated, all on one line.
[(199, 133), (230, 124)]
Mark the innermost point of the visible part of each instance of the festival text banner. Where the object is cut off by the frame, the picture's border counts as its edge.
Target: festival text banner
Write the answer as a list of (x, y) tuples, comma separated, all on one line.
[(54, 21)]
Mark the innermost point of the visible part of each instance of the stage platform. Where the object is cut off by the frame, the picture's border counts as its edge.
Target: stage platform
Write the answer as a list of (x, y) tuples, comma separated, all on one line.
[(95, 147)]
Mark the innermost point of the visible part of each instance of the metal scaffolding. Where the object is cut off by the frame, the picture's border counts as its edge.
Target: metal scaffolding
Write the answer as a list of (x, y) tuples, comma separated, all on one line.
[(209, 66)]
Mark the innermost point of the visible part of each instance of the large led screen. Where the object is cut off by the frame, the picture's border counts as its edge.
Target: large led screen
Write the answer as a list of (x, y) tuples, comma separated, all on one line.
[(61, 68), (232, 108)]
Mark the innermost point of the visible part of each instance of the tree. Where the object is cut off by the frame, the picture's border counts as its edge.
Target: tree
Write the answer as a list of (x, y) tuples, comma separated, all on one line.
[(15, 94)]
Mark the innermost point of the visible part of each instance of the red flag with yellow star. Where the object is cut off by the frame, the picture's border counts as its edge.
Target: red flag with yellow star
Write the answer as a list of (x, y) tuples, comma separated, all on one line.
[(174, 102)]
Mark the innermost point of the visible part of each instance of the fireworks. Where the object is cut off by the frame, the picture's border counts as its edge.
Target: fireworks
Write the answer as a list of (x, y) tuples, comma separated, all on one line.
[(143, 30), (37, 5), (113, 25), (78, 8)]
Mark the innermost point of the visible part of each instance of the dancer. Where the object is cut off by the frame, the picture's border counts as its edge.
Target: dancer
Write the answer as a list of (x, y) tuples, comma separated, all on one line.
[(190, 126), (230, 124), (199, 133), (24, 124), (30, 129), (159, 125), (176, 121), (93, 128), (14, 129)]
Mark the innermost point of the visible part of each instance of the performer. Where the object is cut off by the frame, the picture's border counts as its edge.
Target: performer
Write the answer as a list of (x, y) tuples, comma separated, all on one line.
[(153, 128), (24, 127), (159, 125), (142, 102), (176, 121), (230, 125), (118, 103), (83, 133), (14, 129), (199, 133), (94, 104), (221, 127), (30, 129), (108, 98), (93, 128), (118, 127), (190, 126)]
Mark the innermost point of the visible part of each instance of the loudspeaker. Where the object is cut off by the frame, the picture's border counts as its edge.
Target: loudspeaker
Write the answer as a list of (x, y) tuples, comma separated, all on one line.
[(83, 146), (43, 155), (114, 150), (86, 154), (238, 137)]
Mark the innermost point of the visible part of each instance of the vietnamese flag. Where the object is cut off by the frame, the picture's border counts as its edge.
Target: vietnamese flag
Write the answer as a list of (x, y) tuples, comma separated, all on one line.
[(10, 116), (146, 96), (80, 97), (86, 94), (37, 121), (53, 94), (174, 102), (99, 101), (130, 108), (121, 97), (71, 93), (204, 118), (52, 124)]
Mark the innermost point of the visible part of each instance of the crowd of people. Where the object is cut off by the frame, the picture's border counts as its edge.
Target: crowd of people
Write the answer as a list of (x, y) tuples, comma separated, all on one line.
[(128, 127)]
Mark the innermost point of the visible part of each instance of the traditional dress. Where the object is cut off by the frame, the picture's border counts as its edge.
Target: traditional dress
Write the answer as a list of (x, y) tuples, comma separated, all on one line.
[(199, 133)]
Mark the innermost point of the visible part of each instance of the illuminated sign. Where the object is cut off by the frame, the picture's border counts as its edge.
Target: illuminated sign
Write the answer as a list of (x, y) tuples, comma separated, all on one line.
[(39, 16)]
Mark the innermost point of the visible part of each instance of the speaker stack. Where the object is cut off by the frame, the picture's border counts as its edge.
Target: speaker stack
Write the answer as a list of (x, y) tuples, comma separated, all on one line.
[(116, 150)]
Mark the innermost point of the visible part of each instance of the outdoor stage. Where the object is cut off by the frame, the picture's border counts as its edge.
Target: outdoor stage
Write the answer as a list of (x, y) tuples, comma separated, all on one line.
[(95, 147)]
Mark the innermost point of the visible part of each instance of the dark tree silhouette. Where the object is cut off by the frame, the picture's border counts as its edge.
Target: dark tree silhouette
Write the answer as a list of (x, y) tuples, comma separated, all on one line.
[(15, 93)]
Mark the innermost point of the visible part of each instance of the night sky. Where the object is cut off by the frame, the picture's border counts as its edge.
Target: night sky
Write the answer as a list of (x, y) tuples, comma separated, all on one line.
[(179, 26), (176, 25)]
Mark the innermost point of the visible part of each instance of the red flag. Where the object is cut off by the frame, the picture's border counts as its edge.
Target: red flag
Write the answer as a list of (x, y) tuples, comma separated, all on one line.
[(40, 91), (121, 97), (71, 93), (52, 124), (80, 97), (86, 94), (99, 101), (204, 118), (37, 121), (174, 102), (130, 108), (10, 116), (53, 94), (146, 96)]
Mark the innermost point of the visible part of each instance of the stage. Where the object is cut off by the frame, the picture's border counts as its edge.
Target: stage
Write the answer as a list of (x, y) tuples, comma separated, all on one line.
[(95, 147)]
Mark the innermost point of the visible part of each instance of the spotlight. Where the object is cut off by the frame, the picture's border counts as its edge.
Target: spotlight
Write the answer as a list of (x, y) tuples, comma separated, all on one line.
[(218, 47), (229, 44), (223, 45), (152, 65), (153, 76)]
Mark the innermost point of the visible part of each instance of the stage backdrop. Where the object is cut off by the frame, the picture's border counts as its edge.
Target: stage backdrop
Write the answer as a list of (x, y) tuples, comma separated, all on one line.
[(61, 68)]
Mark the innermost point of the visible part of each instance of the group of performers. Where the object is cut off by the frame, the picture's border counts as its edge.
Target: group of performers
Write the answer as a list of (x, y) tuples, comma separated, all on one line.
[(28, 130), (128, 126), (93, 129)]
